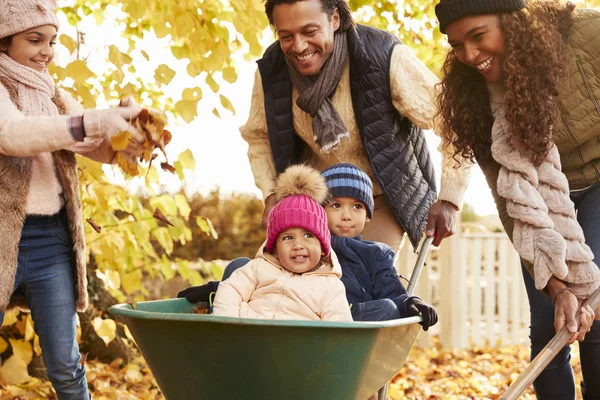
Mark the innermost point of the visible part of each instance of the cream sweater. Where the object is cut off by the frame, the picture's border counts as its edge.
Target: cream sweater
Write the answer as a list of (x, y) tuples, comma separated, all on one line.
[(38, 137), (413, 95)]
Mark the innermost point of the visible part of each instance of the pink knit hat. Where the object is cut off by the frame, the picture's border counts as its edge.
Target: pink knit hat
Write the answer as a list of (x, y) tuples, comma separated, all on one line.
[(21, 15), (301, 191)]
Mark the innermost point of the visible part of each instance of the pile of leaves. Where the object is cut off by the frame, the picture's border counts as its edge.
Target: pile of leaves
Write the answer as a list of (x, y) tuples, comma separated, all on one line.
[(429, 373)]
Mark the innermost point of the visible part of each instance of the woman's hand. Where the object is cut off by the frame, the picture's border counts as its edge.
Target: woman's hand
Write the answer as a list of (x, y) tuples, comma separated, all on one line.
[(566, 306)]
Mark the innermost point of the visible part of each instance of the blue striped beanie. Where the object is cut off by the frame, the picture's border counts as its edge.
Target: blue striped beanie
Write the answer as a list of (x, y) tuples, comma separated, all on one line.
[(347, 180)]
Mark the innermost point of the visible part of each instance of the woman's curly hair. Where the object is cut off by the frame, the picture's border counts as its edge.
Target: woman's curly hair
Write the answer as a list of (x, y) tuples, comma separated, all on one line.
[(535, 43)]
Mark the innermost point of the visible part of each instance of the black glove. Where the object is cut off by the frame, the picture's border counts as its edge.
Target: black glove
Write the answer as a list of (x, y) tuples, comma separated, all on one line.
[(416, 306), (195, 294)]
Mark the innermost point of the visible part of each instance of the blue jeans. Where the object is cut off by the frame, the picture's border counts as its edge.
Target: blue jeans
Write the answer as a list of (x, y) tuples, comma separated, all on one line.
[(45, 276), (556, 381), (375, 310)]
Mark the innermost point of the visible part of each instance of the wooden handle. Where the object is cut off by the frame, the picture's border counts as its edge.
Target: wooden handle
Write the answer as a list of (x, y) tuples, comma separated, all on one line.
[(540, 362)]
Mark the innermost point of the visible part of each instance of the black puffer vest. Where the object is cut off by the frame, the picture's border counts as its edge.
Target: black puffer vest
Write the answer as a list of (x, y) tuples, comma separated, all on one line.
[(397, 150)]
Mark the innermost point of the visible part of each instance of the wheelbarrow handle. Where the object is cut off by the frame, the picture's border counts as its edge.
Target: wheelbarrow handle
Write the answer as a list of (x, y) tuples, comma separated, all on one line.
[(540, 362), (419, 265)]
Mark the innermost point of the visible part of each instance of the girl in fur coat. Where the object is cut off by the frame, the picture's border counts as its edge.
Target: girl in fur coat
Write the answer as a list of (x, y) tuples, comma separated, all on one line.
[(42, 250), (294, 275), (521, 89)]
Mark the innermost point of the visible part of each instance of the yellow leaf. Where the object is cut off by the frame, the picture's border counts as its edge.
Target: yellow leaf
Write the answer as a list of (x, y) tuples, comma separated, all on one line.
[(207, 227), (127, 164), (128, 333), (68, 42), (117, 57), (183, 205), (106, 329), (212, 83), (229, 74), (79, 72), (216, 113), (163, 237), (152, 176), (3, 345), (113, 279), (186, 158), (120, 141), (29, 331), (195, 68), (188, 109), (194, 93), (14, 371), (131, 282), (165, 203), (133, 374), (10, 317), (227, 104), (87, 98), (22, 350), (163, 74), (36, 344)]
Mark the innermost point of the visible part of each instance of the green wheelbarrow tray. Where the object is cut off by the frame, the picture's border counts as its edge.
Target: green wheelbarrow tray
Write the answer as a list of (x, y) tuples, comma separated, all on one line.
[(199, 356)]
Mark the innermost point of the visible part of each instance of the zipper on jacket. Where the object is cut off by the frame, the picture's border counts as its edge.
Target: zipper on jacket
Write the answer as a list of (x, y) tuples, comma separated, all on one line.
[(587, 85)]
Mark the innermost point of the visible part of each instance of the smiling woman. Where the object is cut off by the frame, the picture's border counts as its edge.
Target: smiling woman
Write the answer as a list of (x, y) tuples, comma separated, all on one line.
[(518, 95)]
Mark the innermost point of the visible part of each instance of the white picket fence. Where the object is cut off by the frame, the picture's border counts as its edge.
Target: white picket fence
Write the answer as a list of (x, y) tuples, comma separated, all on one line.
[(475, 282)]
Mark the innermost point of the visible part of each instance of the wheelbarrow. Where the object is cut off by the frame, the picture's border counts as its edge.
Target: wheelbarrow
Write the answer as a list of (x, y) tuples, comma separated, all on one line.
[(202, 356)]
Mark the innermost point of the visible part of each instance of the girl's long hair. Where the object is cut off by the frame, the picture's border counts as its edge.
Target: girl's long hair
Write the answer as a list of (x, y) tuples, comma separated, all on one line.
[(535, 42)]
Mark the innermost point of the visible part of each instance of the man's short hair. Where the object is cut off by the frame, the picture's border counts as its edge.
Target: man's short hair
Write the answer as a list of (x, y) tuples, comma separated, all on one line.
[(328, 7)]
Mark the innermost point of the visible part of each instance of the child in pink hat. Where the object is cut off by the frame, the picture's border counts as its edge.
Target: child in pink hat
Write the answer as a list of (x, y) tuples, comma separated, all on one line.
[(294, 276), (42, 251)]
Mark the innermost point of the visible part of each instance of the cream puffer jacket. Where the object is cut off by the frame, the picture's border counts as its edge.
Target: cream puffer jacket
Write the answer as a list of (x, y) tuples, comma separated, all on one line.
[(264, 289)]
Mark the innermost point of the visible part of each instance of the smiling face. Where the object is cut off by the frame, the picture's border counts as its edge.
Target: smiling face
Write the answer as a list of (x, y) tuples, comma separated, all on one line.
[(477, 42), (298, 250), (306, 34), (33, 48), (347, 216)]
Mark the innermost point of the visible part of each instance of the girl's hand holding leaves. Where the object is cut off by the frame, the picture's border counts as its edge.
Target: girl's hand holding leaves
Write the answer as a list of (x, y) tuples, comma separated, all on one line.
[(151, 124)]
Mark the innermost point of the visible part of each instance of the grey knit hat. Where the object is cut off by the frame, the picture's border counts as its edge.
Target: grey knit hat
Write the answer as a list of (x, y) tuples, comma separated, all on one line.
[(347, 180), (448, 11)]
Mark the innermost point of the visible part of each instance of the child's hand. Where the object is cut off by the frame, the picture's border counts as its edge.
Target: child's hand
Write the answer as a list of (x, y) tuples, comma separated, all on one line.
[(416, 306), (196, 294), (100, 124)]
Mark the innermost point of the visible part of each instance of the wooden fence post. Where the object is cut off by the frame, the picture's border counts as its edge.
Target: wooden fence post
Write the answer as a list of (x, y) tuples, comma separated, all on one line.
[(453, 307)]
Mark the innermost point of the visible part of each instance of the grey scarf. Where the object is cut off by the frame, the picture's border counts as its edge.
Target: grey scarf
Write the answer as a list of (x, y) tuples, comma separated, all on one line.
[(315, 96)]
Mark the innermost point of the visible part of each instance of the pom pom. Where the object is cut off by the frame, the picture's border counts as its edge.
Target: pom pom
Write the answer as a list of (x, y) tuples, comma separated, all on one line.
[(301, 180)]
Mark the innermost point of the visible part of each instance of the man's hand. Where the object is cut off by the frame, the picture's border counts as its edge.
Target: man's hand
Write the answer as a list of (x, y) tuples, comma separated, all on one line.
[(416, 306), (440, 221), (269, 204)]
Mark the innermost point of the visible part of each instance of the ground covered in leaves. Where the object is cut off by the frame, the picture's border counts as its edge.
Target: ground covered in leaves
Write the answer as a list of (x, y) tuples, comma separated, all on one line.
[(477, 373)]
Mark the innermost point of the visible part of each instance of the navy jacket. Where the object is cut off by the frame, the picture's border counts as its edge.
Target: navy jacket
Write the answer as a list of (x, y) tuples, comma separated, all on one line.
[(368, 271)]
